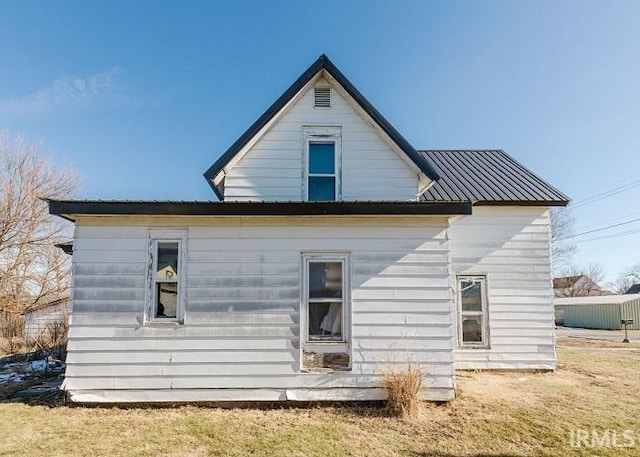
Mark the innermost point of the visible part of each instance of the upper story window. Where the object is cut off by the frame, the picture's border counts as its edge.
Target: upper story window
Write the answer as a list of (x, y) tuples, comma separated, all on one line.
[(323, 159), (322, 171)]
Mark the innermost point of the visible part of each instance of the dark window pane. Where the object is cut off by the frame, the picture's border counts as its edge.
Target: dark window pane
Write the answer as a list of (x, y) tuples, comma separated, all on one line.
[(321, 158), (472, 329), (325, 321), (167, 267), (166, 299), (322, 189), (325, 280), (471, 295)]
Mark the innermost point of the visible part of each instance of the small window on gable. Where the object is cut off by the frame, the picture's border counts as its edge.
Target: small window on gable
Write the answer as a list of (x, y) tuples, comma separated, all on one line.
[(472, 307), (322, 169), (322, 97), (166, 294)]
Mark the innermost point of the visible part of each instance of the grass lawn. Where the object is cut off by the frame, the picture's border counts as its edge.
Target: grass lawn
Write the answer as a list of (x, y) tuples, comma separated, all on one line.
[(596, 386)]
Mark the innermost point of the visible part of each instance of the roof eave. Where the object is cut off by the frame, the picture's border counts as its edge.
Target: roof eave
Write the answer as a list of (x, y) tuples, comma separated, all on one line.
[(71, 209), (521, 203)]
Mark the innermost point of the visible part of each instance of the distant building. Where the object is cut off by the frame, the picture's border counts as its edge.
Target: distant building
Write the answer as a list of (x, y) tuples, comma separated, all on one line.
[(39, 317), (599, 312), (577, 286), (635, 289)]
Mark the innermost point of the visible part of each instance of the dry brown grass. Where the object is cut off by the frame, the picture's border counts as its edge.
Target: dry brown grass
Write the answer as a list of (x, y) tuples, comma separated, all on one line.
[(496, 413), (403, 388)]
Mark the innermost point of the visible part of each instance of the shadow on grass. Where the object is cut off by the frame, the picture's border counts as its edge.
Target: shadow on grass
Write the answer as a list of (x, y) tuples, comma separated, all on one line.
[(30, 394), (357, 409), (35, 391), (446, 454)]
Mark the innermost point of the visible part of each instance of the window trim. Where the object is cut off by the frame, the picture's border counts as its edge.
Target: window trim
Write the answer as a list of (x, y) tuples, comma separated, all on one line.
[(308, 258), (485, 343), (323, 135), (156, 236)]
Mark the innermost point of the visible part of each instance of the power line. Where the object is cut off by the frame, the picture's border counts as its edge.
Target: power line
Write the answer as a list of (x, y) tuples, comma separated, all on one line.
[(607, 194), (613, 235), (607, 187), (600, 229)]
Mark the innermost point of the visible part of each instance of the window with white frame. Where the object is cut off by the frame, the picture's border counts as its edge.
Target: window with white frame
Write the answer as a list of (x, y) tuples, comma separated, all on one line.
[(323, 160), (472, 306), (325, 309), (325, 300), (166, 278)]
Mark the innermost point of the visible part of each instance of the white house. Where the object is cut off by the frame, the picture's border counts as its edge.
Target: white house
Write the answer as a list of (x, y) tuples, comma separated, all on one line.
[(337, 251)]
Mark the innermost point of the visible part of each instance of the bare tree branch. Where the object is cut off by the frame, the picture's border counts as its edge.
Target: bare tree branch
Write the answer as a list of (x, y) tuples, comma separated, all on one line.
[(628, 278), (580, 281), (32, 269), (562, 249)]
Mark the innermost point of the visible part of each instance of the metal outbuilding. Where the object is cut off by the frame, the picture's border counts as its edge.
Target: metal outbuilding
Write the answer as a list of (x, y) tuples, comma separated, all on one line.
[(600, 312)]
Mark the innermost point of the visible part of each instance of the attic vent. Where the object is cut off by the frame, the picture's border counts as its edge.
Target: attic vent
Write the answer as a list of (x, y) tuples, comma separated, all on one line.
[(323, 97)]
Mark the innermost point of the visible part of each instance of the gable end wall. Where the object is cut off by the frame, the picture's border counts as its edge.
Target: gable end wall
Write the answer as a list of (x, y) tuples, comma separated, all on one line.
[(273, 168)]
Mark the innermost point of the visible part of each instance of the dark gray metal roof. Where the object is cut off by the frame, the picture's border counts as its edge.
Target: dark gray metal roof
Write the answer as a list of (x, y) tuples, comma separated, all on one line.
[(69, 209), (487, 177), (635, 289), (322, 63)]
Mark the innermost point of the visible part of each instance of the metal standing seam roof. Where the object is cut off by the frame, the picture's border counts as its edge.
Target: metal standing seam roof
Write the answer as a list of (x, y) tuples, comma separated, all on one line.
[(489, 177), (634, 289), (597, 300)]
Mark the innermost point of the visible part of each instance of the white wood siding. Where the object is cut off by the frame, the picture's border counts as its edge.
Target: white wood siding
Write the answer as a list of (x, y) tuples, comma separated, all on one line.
[(37, 322), (240, 339), (273, 168), (510, 245)]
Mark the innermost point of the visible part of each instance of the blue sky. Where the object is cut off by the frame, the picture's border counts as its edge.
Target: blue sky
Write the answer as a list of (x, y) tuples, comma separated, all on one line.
[(142, 97)]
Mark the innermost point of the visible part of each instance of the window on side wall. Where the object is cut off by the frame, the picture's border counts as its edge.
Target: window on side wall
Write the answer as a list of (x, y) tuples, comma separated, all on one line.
[(166, 277), (323, 160), (472, 307), (326, 312)]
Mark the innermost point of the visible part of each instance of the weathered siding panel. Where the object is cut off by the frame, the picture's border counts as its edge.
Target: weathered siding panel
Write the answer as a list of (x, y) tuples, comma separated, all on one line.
[(273, 168), (600, 316), (510, 245), (38, 322), (242, 319)]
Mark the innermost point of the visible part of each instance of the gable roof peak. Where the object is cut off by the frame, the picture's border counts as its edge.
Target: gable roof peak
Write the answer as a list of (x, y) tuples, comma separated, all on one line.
[(322, 63)]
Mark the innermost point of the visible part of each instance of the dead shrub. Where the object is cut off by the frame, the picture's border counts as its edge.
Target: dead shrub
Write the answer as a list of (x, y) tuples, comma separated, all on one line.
[(53, 339), (11, 332), (403, 390)]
